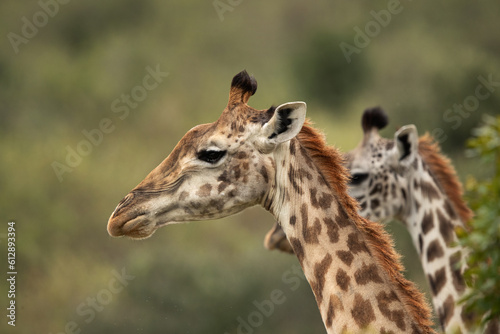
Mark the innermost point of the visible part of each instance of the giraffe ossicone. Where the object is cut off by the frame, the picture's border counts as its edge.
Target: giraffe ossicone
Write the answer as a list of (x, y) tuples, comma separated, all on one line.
[(275, 158)]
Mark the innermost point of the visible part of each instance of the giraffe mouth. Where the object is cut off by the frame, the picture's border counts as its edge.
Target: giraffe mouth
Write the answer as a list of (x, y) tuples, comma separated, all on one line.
[(139, 227)]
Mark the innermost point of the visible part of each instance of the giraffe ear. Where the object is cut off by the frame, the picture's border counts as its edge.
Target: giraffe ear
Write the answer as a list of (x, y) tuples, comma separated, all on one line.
[(406, 140), (286, 123)]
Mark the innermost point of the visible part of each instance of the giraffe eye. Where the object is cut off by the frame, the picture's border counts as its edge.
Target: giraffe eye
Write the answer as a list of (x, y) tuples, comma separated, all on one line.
[(358, 178), (211, 156)]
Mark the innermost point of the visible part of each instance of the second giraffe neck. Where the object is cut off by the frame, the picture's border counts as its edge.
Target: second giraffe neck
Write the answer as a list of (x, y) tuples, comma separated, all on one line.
[(353, 291), (431, 220)]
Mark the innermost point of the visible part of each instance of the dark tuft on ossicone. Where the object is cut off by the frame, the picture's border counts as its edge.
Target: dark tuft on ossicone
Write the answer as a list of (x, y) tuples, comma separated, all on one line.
[(374, 117), (245, 82)]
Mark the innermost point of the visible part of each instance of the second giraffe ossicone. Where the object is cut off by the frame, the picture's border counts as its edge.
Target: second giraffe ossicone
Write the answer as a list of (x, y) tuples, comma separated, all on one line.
[(275, 159)]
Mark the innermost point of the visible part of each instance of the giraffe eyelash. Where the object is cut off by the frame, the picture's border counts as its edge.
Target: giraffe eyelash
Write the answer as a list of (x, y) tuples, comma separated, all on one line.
[(211, 156)]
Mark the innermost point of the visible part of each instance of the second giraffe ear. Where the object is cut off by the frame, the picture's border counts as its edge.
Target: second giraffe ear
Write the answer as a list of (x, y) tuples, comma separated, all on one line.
[(286, 123), (406, 140)]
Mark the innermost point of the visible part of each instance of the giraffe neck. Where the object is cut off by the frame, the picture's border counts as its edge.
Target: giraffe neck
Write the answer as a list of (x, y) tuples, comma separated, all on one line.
[(352, 289), (431, 220)]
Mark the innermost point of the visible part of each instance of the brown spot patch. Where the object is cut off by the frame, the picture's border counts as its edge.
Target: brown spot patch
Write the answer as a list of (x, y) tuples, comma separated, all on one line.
[(427, 222), (367, 274), (445, 228), (397, 316), (183, 196), (446, 311), (304, 214), (342, 279), (263, 172), (311, 233), (323, 201), (456, 273), (217, 204), (449, 210), (415, 163), (320, 270), (204, 190), (224, 182), (334, 304), (417, 205), (330, 315), (362, 312), (236, 172), (393, 191), (342, 218), (332, 230), (437, 281), (434, 251), (297, 249), (345, 257), (374, 203), (306, 157), (306, 174), (293, 176), (292, 147), (429, 190), (293, 220), (355, 245), (241, 155), (376, 189)]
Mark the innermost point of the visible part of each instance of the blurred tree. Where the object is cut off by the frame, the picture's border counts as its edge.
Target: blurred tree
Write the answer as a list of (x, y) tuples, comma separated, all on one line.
[(325, 75), (464, 95), (483, 239)]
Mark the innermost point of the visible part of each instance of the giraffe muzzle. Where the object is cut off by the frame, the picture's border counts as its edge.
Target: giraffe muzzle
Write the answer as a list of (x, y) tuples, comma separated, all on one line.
[(128, 219)]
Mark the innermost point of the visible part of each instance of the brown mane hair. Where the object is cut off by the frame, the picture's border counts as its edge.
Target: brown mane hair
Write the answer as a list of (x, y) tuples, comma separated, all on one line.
[(445, 175), (329, 162)]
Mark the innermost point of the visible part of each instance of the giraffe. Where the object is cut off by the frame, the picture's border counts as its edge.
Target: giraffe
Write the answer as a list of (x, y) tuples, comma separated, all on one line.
[(408, 179), (411, 181), (275, 158)]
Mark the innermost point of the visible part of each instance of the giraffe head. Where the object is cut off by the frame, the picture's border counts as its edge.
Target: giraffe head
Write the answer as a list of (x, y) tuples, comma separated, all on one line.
[(215, 170), (380, 167), (386, 174)]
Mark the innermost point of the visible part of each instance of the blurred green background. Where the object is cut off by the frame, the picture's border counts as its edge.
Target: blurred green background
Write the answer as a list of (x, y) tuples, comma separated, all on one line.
[(64, 65)]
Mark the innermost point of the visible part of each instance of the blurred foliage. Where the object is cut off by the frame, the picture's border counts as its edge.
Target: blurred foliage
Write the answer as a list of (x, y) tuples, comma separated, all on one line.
[(324, 74), (484, 237), (200, 277)]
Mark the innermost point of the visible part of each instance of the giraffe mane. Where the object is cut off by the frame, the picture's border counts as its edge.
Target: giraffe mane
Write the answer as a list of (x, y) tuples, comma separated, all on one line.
[(329, 162), (445, 175)]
